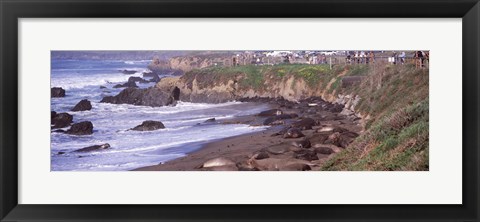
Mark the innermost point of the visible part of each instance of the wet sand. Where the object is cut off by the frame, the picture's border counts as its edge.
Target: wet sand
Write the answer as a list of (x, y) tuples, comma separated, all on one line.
[(237, 148)]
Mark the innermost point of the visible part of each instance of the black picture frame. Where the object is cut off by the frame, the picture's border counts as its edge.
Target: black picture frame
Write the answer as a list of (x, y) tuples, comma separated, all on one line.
[(12, 10)]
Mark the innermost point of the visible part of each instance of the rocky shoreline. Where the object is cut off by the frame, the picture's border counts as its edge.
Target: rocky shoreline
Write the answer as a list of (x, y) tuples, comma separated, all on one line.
[(314, 131), (302, 134)]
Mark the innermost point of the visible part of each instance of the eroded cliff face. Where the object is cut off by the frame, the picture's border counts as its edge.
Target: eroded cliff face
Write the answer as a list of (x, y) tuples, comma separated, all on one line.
[(289, 88)]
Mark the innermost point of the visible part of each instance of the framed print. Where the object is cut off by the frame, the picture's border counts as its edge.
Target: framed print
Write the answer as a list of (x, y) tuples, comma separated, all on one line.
[(269, 110)]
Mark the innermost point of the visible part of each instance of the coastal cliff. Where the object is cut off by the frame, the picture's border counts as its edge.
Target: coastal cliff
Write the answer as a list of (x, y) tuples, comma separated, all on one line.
[(389, 101)]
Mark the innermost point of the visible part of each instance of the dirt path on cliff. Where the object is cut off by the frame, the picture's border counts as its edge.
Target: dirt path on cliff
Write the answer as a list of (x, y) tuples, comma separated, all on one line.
[(325, 91)]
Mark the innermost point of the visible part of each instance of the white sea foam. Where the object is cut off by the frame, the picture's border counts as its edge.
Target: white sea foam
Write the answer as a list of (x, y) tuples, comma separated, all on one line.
[(132, 62), (112, 124), (70, 82)]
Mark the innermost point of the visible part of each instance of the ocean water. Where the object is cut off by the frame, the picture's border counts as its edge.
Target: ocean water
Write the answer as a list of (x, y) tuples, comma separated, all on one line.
[(131, 149)]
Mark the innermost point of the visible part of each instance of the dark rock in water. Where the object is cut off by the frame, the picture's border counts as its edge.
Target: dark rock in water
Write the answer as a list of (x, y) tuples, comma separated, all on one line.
[(271, 112), (149, 125), (324, 150), (302, 144), (137, 79), (155, 78), (59, 131), (127, 84), (128, 72), (82, 106), (208, 121), (134, 79), (148, 74), (212, 120), (293, 133), (94, 148), (57, 92), (60, 153), (272, 119), (81, 128), (103, 87), (174, 97), (53, 114), (144, 97), (304, 124), (308, 155), (60, 120)]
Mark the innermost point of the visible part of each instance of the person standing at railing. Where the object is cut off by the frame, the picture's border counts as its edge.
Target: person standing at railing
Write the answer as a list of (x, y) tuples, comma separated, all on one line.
[(419, 59), (427, 57), (362, 57), (349, 57), (370, 57), (402, 58)]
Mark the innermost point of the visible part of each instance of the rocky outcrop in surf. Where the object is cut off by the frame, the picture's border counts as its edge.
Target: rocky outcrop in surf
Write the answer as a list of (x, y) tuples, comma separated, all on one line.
[(142, 97), (81, 128), (94, 148), (57, 92), (60, 120), (83, 105), (129, 84), (149, 125), (137, 79)]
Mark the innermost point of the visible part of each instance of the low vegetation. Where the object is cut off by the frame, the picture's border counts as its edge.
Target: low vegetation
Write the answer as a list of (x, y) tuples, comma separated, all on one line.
[(254, 76), (397, 132)]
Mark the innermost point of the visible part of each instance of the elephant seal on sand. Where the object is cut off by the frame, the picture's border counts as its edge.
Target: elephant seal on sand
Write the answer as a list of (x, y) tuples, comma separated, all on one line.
[(293, 133), (217, 162), (278, 149), (261, 155), (221, 168), (273, 164), (302, 144), (324, 150), (325, 129)]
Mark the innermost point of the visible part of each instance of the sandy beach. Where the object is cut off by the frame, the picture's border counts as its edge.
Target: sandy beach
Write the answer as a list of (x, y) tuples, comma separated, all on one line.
[(244, 149)]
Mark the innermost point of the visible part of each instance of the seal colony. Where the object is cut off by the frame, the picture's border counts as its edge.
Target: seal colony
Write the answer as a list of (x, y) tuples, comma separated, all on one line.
[(301, 143)]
